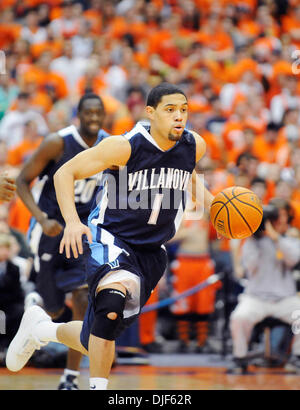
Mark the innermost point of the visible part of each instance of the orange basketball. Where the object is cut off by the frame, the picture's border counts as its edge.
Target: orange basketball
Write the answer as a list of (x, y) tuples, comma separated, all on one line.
[(236, 212)]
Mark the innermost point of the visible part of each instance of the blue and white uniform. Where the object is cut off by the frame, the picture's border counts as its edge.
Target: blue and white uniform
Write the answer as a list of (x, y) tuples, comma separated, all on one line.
[(138, 209), (56, 274)]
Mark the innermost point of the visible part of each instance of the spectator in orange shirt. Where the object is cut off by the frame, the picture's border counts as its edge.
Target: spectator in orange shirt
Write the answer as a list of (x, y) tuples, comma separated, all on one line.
[(296, 189), (49, 81), (213, 146), (31, 140), (270, 149), (291, 24), (215, 39), (67, 25)]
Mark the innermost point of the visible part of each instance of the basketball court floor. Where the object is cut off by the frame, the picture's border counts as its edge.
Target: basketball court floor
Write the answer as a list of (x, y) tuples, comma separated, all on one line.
[(164, 372)]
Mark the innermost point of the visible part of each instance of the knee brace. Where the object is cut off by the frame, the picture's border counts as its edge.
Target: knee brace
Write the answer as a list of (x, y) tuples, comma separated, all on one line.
[(109, 306)]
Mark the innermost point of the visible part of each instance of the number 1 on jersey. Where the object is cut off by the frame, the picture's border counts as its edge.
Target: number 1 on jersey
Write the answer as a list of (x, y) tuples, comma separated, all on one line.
[(155, 209)]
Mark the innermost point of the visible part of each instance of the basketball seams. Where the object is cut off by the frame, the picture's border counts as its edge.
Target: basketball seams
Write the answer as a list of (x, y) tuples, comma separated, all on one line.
[(238, 211), (252, 206), (225, 203), (246, 203), (228, 221)]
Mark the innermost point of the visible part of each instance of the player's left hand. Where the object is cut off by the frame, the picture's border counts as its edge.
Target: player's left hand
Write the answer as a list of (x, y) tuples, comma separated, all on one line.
[(72, 238)]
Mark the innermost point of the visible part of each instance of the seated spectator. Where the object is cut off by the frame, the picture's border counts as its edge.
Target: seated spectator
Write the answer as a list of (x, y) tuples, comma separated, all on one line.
[(267, 258)]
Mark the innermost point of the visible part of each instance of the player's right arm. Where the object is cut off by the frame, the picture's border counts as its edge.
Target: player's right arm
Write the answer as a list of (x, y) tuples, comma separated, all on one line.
[(50, 149), (111, 152)]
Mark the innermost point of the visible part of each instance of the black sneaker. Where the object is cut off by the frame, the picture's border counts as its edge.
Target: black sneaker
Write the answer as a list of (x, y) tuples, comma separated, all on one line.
[(239, 366), (293, 364), (68, 382)]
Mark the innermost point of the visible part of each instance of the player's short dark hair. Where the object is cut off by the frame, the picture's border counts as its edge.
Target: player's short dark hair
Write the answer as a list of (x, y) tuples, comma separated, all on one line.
[(89, 96), (156, 94)]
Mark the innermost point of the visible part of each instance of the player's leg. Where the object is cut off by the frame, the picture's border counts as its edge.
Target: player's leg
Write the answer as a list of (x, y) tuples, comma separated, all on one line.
[(110, 303), (69, 379), (36, 330)]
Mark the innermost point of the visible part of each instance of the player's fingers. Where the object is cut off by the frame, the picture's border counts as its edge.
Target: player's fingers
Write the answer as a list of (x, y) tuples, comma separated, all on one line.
[(79, 245), (89, 235), (74, 248), (10, 186), (61, 246)]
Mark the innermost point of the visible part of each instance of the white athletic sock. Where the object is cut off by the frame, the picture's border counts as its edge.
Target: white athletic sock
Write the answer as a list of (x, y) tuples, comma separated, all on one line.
[(46, 331), (71, 372), (98, 383)]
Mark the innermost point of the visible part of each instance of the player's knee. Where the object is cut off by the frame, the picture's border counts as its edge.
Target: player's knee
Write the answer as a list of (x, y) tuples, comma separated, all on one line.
[(109, 306), (112, 315)]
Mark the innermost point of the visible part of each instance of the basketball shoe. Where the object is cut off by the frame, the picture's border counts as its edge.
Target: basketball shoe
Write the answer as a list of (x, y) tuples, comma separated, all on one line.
[(26, 341)]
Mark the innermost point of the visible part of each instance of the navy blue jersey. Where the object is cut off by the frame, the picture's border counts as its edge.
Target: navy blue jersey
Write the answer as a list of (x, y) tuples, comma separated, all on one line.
[(143, 203), (84, 190)]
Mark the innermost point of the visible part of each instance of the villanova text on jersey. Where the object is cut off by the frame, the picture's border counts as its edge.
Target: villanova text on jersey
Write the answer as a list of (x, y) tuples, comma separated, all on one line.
[(143, 202)]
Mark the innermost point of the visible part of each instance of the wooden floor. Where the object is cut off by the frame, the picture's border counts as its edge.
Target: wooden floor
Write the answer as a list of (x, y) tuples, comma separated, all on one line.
[(158, 378)]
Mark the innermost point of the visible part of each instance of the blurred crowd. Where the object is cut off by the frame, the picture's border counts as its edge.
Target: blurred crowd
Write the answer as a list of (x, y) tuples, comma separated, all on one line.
[(238, 62)]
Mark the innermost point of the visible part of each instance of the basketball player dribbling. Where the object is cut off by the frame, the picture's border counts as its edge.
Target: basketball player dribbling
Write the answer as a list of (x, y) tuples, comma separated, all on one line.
[(125, 256)]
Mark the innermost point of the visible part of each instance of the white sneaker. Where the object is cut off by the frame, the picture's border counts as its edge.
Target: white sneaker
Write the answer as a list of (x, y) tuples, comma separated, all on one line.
[(26, 342)]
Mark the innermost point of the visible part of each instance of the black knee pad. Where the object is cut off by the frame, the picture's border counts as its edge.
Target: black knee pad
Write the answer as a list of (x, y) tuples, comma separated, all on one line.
[(108, 301)]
